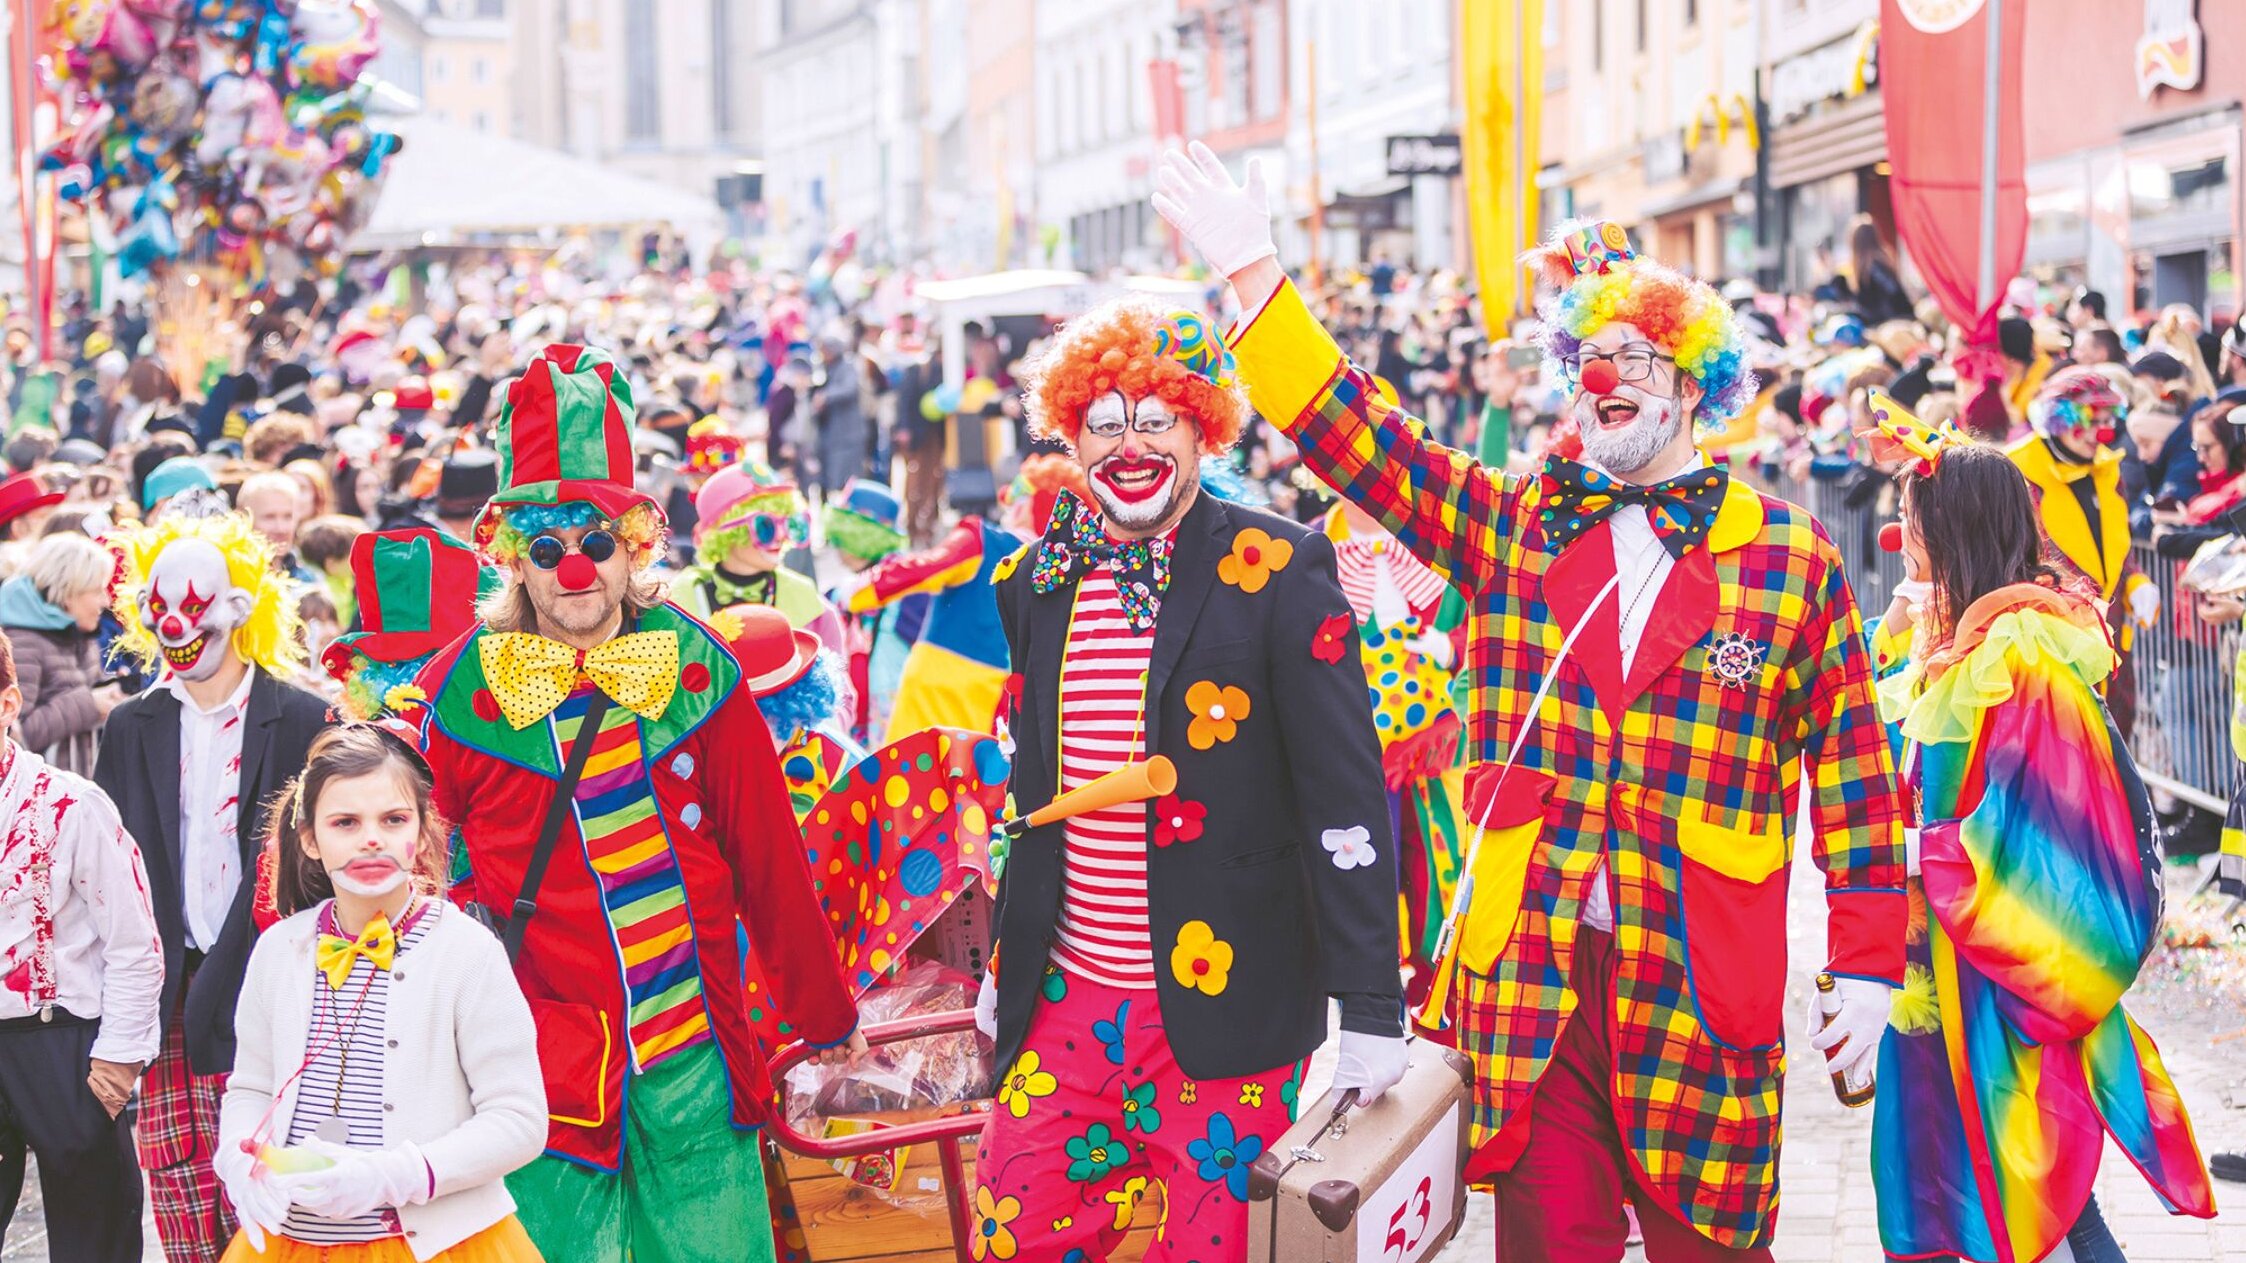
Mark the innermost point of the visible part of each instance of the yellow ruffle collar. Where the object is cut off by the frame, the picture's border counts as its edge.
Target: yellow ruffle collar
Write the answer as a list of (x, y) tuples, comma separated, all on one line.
[(1940, 698)]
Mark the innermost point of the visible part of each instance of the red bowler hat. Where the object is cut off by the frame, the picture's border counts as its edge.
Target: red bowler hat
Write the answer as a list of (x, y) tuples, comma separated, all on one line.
[(773, 653), (22, 493)]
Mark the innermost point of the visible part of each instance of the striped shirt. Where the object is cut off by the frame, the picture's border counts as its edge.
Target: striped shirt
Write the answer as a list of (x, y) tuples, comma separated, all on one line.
[(1103, 934), (340, 1021)]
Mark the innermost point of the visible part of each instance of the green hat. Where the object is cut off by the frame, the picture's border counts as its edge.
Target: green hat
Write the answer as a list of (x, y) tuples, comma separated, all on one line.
[(417, 588), (565, 436)]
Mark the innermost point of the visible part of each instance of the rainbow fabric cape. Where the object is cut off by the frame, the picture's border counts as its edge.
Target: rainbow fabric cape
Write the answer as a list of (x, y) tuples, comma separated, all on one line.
[(2041, 890)]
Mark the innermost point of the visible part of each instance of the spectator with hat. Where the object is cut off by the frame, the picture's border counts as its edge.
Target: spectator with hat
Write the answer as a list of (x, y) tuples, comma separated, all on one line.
[(469, 479)]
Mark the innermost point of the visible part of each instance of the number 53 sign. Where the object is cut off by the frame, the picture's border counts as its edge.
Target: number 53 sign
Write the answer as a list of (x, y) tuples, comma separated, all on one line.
[(1406, 1215)]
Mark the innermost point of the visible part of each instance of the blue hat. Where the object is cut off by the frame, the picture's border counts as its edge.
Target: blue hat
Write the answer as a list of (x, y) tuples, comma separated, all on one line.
[(180, 473)]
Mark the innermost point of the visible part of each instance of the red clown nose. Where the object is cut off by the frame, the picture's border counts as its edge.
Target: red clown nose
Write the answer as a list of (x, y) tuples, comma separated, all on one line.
[(1891, 537), (576, 572), (1600, 378)]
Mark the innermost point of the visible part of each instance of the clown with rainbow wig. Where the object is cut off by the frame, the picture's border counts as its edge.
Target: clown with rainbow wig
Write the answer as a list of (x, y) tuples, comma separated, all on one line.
[(1668, 669)]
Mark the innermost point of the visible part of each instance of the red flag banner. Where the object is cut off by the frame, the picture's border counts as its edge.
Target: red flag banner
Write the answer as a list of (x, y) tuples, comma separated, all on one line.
[(1934, 76)]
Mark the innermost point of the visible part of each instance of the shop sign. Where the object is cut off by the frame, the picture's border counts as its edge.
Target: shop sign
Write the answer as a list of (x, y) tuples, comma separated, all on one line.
[(2171, 51), (1821, 74), (1936, 17), (1425, 155)]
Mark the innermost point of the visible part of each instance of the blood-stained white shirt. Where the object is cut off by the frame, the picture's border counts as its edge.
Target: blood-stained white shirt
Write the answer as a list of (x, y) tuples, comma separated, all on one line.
[(77, 931), (210, 806)]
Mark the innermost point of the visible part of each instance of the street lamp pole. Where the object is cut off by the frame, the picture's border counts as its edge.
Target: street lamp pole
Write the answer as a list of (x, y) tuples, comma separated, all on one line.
[(1991, 105)]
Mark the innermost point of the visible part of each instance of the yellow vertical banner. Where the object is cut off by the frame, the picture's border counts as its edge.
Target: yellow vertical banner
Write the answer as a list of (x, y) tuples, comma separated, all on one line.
[(1501, 55)]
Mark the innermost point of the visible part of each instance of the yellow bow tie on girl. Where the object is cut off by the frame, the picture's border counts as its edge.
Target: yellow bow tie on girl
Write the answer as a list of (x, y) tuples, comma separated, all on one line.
[(336, 954), (529, 675)]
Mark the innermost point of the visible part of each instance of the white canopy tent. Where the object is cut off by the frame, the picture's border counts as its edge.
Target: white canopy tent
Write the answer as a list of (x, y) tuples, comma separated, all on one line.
[(1030, 292), (452, 183)]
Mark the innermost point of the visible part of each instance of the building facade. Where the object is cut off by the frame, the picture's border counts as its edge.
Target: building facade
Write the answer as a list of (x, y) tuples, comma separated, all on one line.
[(1095, 134), (1827, 159), (467, 64), (1366, 73), (991, 204)]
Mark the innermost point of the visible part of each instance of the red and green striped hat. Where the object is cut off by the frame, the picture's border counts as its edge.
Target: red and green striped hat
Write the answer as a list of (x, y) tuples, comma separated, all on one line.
[(417, 588), (565, 436)]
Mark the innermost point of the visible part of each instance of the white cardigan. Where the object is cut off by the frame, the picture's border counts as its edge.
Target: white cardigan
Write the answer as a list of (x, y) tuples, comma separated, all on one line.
[(461, 1079)]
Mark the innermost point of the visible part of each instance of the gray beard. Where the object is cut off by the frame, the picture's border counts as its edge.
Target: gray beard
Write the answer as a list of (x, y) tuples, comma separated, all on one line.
[(1625, 452)]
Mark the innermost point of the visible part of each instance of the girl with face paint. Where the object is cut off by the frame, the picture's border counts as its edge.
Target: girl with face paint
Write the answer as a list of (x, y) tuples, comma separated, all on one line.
[(360, 1112)]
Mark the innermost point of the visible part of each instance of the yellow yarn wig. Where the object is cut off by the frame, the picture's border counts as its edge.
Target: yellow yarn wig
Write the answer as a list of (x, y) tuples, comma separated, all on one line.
[(271, 638)]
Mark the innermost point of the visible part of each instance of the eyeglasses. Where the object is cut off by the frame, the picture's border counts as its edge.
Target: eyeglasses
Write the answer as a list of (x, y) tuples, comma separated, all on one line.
[(547, 551), (771, 530), (1633, 363), (1113, 427)]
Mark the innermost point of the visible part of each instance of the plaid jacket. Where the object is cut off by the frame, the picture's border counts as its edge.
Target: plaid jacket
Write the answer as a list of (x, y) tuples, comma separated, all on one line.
[(1684, 774)]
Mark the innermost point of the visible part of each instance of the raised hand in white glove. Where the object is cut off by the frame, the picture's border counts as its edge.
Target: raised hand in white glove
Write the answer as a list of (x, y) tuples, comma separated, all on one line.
[(1433, 646), (986, 1005), (1910, 864), (1372, 1064), (1851, 1041), (2144, 604), (361, 1181), (258, 1202), (1228, 223)]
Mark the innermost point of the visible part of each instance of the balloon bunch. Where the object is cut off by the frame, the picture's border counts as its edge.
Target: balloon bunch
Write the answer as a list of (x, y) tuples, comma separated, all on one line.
[(233, 131)]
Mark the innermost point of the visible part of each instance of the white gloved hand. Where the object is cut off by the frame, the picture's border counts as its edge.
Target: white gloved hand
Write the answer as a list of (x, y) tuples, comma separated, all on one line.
[(1372, 1064), (260, 1205), (2144, 604), (986, 1005), (1910, 861), (1435, 647), (1228, 223), (1915, 592), (361, 1181), (1851, 1042)]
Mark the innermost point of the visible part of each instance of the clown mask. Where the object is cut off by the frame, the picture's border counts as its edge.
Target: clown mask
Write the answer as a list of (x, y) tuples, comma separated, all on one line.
[(1142, 459), (192, 607)]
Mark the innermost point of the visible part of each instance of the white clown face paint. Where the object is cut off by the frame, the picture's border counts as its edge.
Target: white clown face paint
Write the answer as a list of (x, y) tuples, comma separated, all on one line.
[(191, 606), (366, 833)]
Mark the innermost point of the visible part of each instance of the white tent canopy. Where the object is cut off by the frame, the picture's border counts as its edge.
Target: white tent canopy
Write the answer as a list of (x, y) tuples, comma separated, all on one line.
[(1031, 292), (450, 182)]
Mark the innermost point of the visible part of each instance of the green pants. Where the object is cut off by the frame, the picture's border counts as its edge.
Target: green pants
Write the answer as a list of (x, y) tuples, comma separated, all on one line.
[(691, 1188)]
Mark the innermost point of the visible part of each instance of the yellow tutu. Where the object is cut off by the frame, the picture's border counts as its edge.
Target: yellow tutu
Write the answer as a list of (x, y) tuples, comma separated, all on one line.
[(503, 1242)]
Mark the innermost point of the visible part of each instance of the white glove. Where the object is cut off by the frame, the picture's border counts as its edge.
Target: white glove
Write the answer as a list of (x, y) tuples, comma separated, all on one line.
[(2144, 604), (1228, 223), (986, 1005), (1435, 647), (1851, 1042), (1910, 860), (1372, 1064), (1915, 592), (258, 1203), (361, 1181)]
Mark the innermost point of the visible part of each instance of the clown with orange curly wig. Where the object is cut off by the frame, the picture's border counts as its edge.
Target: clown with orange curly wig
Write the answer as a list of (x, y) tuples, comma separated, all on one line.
[(1662, 661)]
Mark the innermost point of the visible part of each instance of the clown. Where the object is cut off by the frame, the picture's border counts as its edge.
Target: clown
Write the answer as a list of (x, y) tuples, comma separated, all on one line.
[(418, 590), (1620, 968), (2071, 461), (747, 520), (796, 683), (670, 832), (1196, 939), (190, 764), (862, 526)]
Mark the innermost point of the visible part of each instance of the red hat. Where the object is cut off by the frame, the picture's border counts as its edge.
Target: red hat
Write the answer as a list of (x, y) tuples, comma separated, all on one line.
[(417, 593), (773, 653), (22, 493), (565, 436)]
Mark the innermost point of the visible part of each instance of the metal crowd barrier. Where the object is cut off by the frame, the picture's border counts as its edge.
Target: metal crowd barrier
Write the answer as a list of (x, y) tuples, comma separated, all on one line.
[(2181, 736)]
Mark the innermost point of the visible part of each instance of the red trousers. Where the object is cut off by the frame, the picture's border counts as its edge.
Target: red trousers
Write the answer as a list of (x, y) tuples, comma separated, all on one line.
[(1562, 1200)]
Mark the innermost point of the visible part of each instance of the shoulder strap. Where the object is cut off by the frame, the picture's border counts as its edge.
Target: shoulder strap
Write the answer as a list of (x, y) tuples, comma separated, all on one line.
[(549, 833)]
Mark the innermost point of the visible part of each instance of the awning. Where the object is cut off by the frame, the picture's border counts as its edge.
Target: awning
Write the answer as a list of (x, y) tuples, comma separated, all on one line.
[(1699, 195), (1831, 142)]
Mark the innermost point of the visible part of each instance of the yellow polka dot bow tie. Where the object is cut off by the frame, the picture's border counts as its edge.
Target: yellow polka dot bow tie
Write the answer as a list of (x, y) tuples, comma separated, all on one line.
[(1577, 497), (336, 954), (529, 675)]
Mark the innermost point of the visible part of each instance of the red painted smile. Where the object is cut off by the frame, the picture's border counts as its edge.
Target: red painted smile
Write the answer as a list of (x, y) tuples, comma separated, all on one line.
[(1135, 481)]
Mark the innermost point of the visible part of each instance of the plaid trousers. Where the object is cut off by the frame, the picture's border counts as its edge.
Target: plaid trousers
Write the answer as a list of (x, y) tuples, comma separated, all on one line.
[(177, 1136)]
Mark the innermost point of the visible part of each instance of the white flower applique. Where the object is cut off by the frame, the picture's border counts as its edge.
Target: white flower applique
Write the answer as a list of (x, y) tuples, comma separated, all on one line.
[(1351, 847)]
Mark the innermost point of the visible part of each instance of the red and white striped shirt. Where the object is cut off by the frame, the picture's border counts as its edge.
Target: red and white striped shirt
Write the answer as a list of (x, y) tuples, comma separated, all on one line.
[(1103, 934)]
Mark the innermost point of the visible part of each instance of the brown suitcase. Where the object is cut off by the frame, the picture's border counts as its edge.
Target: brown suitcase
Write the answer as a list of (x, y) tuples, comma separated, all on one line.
[(1377, 1185)]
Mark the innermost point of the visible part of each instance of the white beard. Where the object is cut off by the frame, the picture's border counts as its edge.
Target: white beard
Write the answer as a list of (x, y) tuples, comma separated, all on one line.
[(1626, 451)]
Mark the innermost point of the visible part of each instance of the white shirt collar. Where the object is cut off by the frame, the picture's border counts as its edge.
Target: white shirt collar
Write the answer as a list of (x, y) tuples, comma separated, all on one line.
[(187, 703), (1699, 460)]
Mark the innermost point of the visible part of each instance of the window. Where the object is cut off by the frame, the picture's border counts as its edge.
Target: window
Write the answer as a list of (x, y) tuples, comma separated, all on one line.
[(480, 121), (479, 70), (721, 68), (1692, 11), (643, 116), (438, 68), (1598, 34), (491, 8)]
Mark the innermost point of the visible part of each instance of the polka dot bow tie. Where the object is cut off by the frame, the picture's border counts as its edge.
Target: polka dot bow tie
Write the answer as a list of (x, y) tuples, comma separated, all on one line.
[(1577, 497), (1074, 544), (529, 675)]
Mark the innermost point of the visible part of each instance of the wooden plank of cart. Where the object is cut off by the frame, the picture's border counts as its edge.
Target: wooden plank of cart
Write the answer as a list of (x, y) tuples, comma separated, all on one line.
[(929, 1217)]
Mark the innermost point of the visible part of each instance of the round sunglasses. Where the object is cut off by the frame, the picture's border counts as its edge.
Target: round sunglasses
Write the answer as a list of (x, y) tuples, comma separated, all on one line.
[(547, 551)]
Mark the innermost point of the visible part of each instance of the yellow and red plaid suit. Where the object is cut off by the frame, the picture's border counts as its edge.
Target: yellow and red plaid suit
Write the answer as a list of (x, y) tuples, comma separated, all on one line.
[(1684, 776)]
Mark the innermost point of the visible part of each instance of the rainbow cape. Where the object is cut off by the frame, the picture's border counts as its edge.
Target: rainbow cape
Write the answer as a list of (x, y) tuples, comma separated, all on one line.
[(2041, 892)]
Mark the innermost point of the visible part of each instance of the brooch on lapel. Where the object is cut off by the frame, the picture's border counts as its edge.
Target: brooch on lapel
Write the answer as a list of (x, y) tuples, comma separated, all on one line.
[(1733, 659)]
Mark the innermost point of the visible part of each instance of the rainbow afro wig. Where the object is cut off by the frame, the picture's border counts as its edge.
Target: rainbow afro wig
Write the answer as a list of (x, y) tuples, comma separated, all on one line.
[(1601, 281), (2078, 398), (640, 529), (1139, 348)]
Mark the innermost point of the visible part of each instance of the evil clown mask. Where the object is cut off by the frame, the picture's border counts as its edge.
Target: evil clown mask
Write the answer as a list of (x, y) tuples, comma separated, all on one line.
[(192, 607)]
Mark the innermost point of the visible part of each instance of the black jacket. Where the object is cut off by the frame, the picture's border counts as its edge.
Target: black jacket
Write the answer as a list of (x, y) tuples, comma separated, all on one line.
[(139, 769), (1304, 762)]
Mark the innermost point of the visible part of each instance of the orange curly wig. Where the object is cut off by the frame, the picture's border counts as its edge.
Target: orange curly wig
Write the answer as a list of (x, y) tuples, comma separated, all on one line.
[(1133, 345)]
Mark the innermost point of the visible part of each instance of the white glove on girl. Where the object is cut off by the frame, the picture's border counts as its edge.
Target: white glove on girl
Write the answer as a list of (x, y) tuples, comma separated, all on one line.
[(1228, 223), (986, 1005), (1851, 1042), (258, 1202), (361, 1181), (1372, 1064), (2144, 604)]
